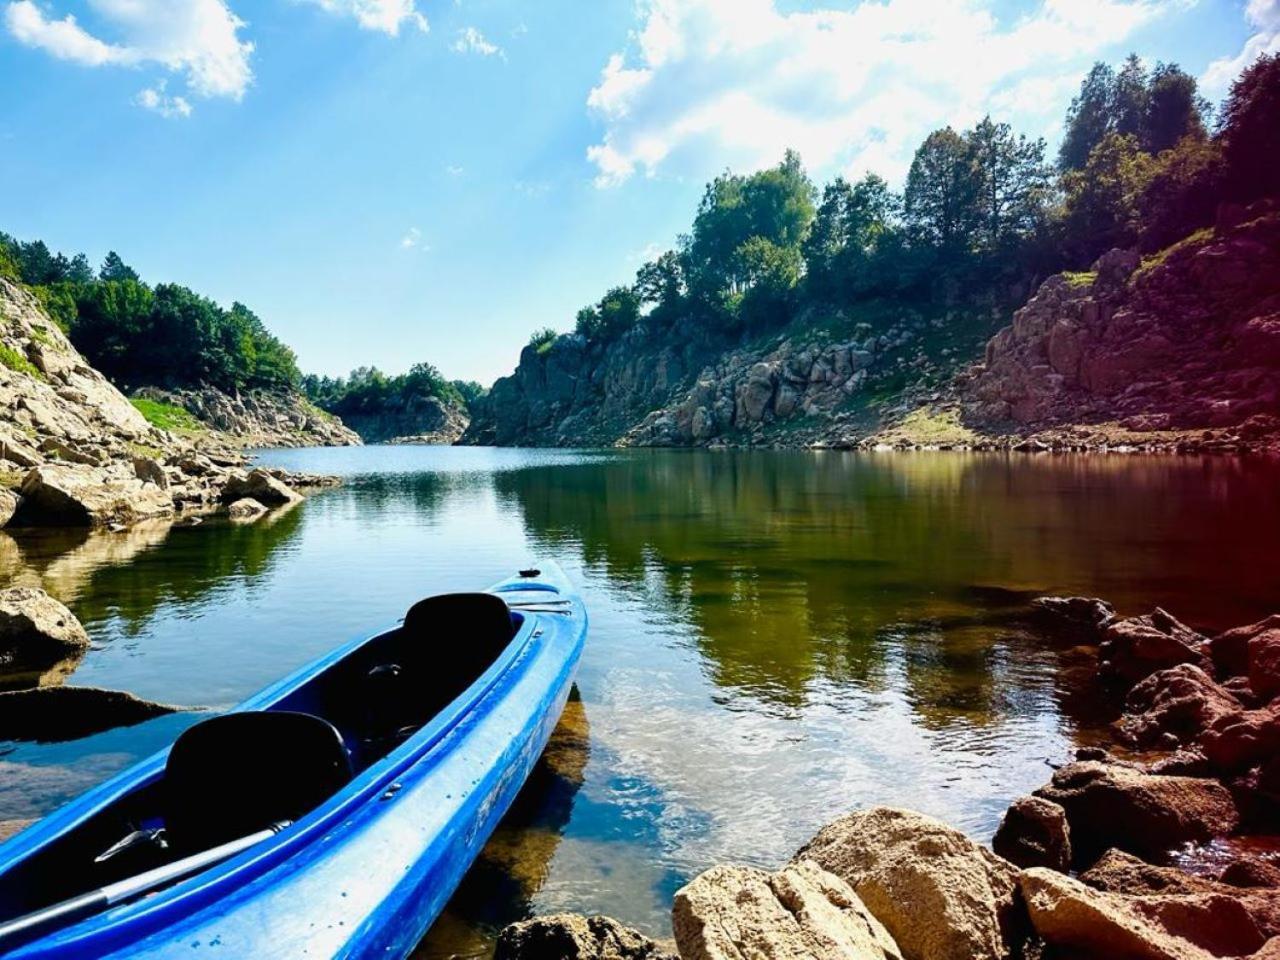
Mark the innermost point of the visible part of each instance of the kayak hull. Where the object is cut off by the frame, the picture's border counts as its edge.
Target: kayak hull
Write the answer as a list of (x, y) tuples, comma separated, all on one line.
[(366, 873)]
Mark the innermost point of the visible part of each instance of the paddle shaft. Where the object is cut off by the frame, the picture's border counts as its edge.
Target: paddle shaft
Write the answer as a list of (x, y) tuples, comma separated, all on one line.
[(90, 903)]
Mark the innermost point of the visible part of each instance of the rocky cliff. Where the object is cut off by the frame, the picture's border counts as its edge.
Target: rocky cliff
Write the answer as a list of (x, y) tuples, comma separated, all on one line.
[(260, 418), (423, 420), (1186, 341), (74, 451), (825, 380)]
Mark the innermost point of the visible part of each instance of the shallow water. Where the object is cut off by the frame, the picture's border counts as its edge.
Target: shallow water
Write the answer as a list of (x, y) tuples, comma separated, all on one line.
[(776, 637)]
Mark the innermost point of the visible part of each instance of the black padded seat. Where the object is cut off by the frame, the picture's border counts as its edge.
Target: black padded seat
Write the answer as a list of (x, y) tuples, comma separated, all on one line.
[(235, 774), (461, 634)]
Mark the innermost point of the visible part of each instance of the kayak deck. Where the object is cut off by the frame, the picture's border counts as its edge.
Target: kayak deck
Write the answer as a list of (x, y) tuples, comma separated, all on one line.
[(440, 720)]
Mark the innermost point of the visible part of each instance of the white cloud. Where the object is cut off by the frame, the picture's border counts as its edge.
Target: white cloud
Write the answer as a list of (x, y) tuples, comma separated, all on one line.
[(716, 82), (1264, 19), (385, 16), (454, 171), (471, 40), (413, 239), (157, 100), (197, 39)]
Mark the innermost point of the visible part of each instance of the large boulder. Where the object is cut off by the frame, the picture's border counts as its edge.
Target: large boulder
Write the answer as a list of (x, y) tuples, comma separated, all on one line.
[(1034, 833), (8, 505), (246, 508), (1109, 805), (258, 485), (939, 894), (66, 495), (1071, 916), (800, 913), (36, 631), (1237, 741), (1230, 649), (1087, 615), (1172, 707), (572, 937), (1134, 648)]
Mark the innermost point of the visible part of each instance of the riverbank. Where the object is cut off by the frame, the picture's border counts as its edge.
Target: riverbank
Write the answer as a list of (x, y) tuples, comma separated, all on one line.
[(1166, 850)]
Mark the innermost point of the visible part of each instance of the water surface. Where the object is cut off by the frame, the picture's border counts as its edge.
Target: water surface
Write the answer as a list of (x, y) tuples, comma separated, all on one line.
[(776, 638)]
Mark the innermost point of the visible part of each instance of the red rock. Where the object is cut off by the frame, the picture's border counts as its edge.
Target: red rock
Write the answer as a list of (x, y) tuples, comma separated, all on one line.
[(1173, 707), (1251, 873), (1137, 647), (1034, 833), (1229, 649), (1086, 614), (1264, 664), (1237, 741), (1113, 806)]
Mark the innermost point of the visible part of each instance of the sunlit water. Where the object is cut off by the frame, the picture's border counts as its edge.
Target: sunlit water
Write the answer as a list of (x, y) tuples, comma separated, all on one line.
[(776, 638)]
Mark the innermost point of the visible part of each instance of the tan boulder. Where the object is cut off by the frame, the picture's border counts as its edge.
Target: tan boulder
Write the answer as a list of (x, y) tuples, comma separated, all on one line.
[(1068, 915), (1034, 833), (246, 508), (799, 913), (940, 895), (36, 630), (8, 505), (64, 495), (258, 485)]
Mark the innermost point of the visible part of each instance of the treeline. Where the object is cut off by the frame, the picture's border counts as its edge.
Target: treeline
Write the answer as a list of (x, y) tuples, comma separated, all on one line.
[(138, 335), (369, 391), (1142, 164)]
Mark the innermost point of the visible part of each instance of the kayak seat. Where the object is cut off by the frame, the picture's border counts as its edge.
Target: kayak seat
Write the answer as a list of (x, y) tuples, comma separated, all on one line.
[(235, 774), (445, 643)]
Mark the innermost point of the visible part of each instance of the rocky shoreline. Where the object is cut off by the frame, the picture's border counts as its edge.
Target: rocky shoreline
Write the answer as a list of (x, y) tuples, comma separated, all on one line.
[(1108, 860)]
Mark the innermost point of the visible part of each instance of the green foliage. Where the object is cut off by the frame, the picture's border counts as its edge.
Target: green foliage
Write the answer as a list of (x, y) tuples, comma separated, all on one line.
[(542, 340), (369, 391), (59, 301), (166, 416), (1182, 192), (469, 390), (1250, 133), (1102, 200), (12, 359), (114, 269)]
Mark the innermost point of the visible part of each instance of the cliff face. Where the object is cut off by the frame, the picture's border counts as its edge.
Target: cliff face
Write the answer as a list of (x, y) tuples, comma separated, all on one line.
[(1188, 340), (260, 418), (421, 421), (825, 380)]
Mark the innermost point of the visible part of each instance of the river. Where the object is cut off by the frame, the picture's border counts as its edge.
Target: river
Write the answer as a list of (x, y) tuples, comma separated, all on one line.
[(776, 638)]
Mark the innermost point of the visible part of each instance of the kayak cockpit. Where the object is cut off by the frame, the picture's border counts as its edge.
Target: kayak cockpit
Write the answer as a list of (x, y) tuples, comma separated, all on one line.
[(245, 771)]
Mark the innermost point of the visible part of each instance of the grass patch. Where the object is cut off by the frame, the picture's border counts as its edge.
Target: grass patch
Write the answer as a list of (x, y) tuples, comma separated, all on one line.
[(11, 479), (145, 450), (1201, 236), (12, 359), (166, 416), (1080, 278), (41, 335), (928, 426)]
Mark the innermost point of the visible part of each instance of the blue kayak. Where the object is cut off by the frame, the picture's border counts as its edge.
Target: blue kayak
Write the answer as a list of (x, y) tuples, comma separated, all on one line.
[(330, 815)]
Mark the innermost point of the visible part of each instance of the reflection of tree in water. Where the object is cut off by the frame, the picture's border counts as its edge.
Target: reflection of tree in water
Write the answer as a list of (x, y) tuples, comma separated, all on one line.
[(500, 886), (801, 569), (129, 574)]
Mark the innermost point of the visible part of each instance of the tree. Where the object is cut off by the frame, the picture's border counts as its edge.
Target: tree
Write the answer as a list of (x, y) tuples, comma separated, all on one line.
[(1012, 185), (854, 233), (661, 282), (1129, 99), (113, 268), (1102, 200), (541, 340), (1088, 118), (79, 270), (1250, 132), (1174, 109), (941, 200), (1182, 193)]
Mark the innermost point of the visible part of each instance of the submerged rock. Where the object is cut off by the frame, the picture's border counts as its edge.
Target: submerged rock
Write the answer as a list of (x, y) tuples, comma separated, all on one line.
[(1034, 833), (1071, 916), (569, 936), (36, 631), (939, 894), (246, 508), (1086, 614), (9, 828), (51, 714), (1108, 805), (799, 913)]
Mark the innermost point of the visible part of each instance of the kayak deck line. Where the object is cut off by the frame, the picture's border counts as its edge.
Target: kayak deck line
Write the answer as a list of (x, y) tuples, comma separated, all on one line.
[(439, 720)]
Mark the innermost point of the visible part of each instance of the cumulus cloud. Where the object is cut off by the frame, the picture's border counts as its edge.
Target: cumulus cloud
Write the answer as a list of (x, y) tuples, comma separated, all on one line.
[(411, 239), (157, 100), (471, 40), (1264, 19), (196, 39), (737, 81), (385, 16)]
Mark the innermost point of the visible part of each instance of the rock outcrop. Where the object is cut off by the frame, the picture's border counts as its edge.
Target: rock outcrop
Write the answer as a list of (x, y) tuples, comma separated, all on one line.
[(428, 421), (55, 713), (572, 937), (939, 894), (260, 418), (799, 913), (1186, 340)]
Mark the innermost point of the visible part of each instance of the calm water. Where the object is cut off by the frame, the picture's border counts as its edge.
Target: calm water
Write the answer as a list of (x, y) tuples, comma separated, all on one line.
[(776, 637)]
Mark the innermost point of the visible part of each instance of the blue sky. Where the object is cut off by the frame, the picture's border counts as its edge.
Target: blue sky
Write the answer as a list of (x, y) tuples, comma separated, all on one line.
[(387, 181)]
